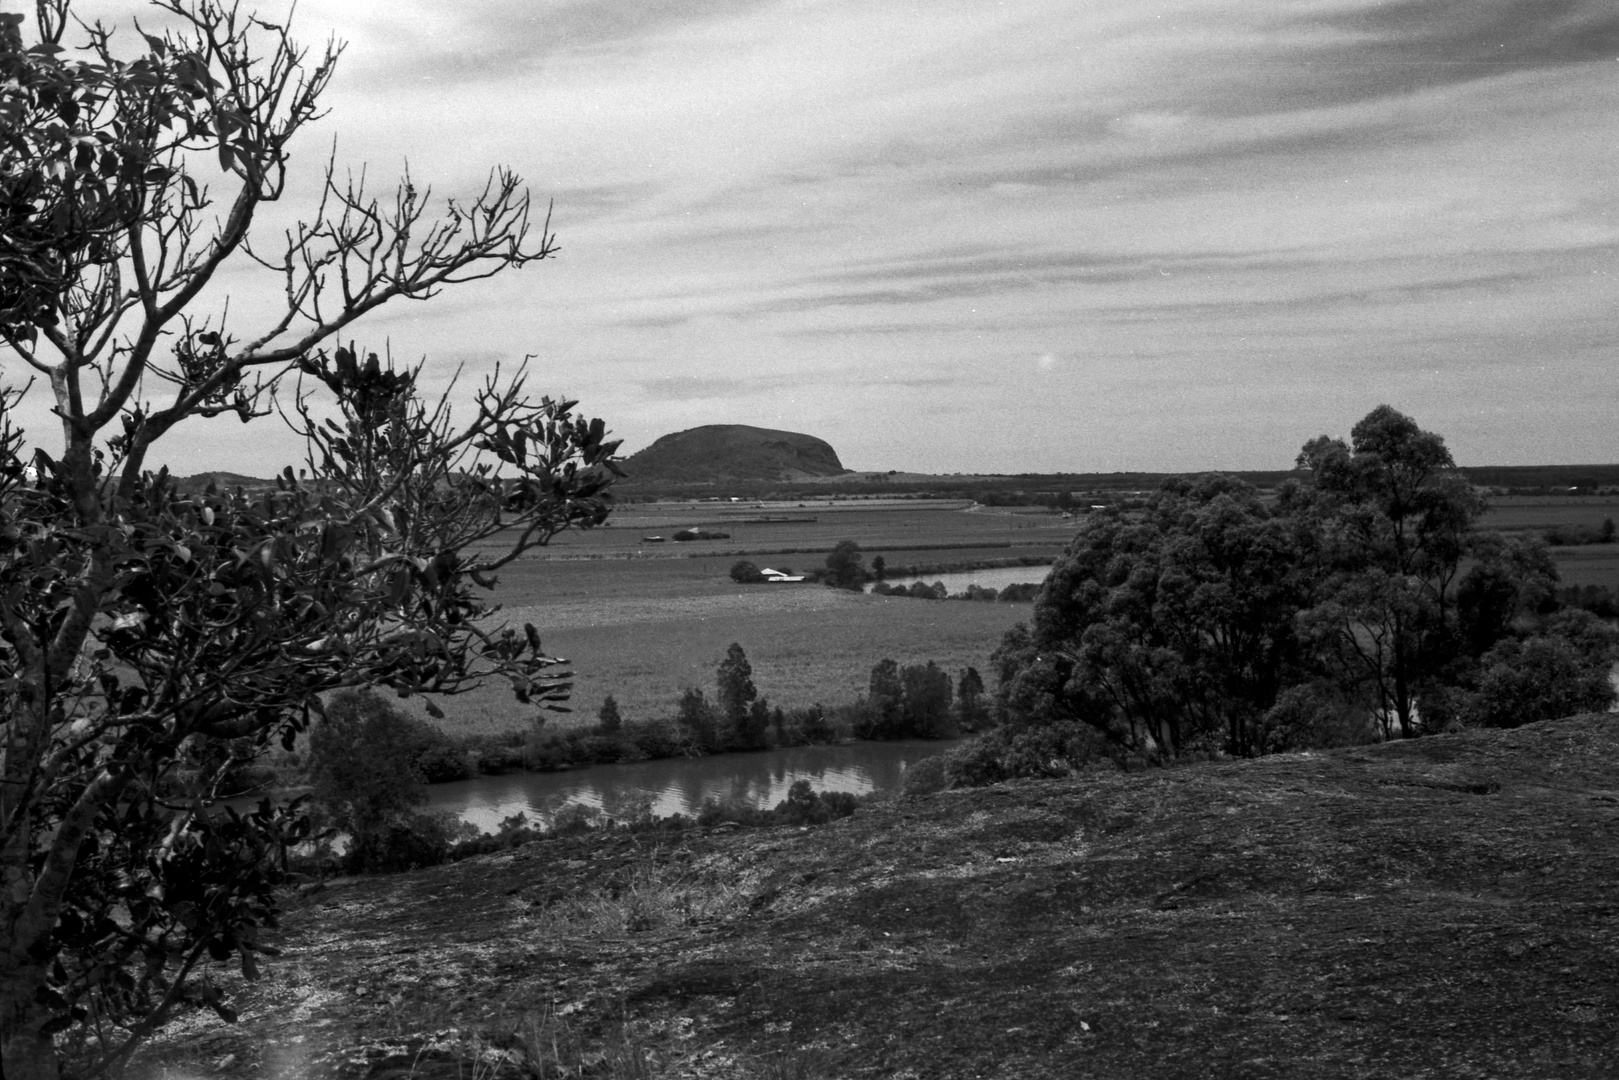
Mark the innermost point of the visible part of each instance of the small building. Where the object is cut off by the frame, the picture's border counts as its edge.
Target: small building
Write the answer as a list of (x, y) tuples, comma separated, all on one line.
[(776, 575)]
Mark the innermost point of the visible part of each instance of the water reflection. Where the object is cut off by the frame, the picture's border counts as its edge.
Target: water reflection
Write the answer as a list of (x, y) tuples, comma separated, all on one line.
[(681, 785)]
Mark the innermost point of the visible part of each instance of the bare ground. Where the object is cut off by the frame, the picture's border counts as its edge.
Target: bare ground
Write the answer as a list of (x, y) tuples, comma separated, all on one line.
[(1447, 907)]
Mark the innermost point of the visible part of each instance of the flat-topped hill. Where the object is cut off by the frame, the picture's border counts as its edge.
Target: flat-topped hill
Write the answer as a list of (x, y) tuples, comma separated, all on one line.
[(717, 453), (1440, 907)]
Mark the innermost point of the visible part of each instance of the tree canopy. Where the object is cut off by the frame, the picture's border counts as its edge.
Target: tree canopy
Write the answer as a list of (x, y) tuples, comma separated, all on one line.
[(1220, 618), (140, 622)]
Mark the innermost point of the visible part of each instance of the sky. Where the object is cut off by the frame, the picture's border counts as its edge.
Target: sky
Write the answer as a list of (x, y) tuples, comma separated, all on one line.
[(1036, 235)]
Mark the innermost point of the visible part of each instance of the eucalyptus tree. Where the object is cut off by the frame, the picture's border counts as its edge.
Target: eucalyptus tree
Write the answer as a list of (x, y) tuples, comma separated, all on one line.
[(1396, 519), (141, 622)]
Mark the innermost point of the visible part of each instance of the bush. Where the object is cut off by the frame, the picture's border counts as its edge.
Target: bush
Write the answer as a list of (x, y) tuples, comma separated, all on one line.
[(442, 762), (363, 768), (1313, 716), (1599, 600), (655, 740), (744, 572), (608, 720), (803, 806), (844, 567), (1012, 752), (697, 720), (493, 757), (410, 843), (1560, 672), (1021, 593), (1571, 535), (926, 776)]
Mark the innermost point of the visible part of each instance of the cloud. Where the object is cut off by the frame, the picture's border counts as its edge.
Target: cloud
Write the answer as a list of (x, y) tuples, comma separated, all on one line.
[(1212, 216)]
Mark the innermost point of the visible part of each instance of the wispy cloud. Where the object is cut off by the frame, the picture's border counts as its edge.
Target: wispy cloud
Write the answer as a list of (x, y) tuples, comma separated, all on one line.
[(1156, 236)]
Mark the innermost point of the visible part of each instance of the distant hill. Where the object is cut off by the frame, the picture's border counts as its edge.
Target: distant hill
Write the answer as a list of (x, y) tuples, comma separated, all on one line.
[(225, 481), (718, 453)]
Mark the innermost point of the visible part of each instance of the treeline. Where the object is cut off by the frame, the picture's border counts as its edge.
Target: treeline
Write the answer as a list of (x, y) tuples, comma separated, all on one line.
[(911, 701), (1338, 611)]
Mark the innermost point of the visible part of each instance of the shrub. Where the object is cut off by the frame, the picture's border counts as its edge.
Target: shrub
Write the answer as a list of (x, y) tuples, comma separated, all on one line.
[(1557, 673), (1021, 593), (1313, 716), (575, 819), (746, 573), (442, 762), (696, 719), (608, 719), (1011, 752), (1599, 600), (844, 567), (363, 769), (655, 740), (926, 776), (1570, 535), (493, 757), (803, 806)]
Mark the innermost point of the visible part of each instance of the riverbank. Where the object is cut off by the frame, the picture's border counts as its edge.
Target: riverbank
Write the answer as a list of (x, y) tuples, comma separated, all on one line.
[(1440, 906)]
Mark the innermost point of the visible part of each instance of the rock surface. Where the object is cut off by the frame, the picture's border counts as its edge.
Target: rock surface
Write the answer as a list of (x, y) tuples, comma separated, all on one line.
[(720, 452), (1444, 907)]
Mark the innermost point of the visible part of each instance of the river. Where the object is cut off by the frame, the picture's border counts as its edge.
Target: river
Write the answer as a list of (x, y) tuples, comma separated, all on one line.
[(679, 785)]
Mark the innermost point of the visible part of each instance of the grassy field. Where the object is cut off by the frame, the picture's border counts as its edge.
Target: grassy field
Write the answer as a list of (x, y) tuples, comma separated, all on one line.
[(641, 620), (806, 645), (1537, 513)]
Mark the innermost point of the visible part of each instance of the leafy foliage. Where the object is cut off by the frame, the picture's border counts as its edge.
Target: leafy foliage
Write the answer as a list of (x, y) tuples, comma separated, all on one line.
[(1214, 619), (141, 626), (844, 567)]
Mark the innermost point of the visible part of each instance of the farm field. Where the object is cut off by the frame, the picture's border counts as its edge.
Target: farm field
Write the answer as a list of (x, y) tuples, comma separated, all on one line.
[(1581, 564), (806, 644), (875, 524), (1588, 564), (1522, 513), (642, 621)]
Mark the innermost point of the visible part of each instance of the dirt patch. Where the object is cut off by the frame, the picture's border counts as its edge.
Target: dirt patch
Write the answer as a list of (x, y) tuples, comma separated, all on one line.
[(1447, 907)]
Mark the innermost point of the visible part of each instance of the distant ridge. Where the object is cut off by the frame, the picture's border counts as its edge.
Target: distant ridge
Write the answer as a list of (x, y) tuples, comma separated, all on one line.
[(718, 453), (225, 481)]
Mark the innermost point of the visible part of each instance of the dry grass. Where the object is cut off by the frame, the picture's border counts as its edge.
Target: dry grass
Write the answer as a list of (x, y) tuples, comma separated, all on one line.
[(651, 898)]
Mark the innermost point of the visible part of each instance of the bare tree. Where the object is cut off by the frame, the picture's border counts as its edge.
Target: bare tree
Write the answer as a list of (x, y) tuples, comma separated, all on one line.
[(140, 622)]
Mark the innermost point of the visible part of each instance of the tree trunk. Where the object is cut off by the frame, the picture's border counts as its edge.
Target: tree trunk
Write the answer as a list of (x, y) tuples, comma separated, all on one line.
[(25, 1054)]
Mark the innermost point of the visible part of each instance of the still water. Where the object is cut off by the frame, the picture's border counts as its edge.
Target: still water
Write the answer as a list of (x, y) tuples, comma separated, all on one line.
[(679, 785), (996, 579)]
